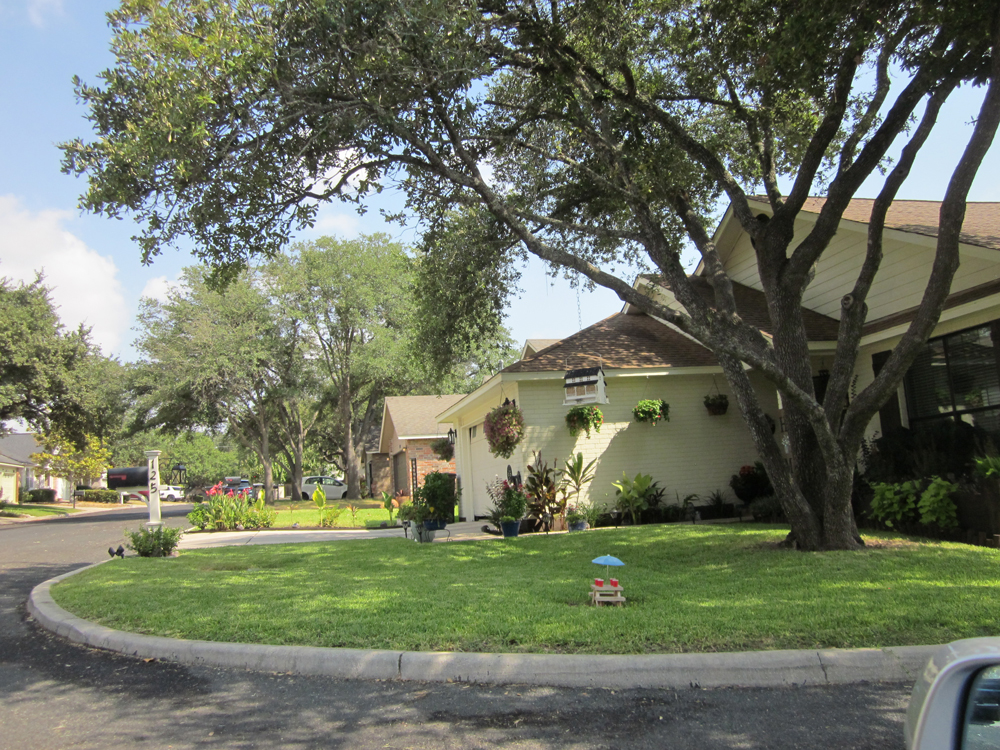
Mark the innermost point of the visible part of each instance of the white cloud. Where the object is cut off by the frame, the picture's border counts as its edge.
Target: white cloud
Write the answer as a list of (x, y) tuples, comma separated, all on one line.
[(41, 11), (345, 225), (84, 283), (158, 288)]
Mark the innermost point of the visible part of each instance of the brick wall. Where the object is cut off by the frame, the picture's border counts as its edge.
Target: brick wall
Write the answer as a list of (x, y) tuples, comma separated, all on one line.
[(427, 460)]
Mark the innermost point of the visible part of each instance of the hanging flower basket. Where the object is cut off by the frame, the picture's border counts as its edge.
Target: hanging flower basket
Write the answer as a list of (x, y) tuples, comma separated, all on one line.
[(651, 410), (584, 419), (717, 404), (504, 429)]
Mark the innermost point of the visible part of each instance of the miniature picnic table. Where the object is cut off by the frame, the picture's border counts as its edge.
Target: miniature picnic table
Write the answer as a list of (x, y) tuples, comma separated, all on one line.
[(607, 594)]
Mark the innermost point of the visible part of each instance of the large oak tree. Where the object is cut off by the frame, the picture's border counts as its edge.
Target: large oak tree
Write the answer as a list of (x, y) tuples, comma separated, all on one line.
[(610, 130)]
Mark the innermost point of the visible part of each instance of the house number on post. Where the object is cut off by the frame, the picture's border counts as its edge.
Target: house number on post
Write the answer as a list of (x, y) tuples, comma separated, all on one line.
[(153, 463)]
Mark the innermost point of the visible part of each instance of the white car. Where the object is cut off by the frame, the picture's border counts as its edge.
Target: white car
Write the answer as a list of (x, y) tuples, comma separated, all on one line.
[(956, 699), (168, 492), (334, 488)]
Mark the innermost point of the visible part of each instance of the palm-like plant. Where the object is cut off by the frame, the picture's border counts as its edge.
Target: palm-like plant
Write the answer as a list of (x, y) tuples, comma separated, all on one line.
[(319, 500), (542, 487), (575, 475)]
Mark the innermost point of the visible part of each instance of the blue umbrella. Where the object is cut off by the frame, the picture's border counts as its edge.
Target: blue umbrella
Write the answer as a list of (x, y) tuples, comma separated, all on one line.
[(607, 560)]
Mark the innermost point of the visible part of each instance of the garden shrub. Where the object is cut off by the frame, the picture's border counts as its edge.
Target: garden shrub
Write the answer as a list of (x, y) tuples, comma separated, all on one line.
[(767, 509), (438, 492), (100, 496), (928, 502), (42, 495), (159, 542), (936, 506), (895, 504)]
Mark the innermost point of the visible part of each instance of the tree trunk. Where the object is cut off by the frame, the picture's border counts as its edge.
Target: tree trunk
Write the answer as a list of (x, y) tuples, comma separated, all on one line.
[(352, 462)]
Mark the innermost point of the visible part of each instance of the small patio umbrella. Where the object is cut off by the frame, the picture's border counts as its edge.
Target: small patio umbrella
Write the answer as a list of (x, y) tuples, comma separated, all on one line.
[(607, 561)]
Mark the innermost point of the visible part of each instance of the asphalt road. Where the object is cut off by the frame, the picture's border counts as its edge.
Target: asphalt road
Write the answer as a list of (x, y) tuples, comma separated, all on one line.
[(54, 695)]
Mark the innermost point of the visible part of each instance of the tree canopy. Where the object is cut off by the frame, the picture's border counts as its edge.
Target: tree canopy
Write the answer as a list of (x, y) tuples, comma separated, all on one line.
[(51, 378), (589, 134)]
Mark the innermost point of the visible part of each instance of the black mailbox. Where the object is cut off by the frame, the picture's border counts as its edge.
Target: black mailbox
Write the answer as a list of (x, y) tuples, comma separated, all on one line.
[(133, 476)]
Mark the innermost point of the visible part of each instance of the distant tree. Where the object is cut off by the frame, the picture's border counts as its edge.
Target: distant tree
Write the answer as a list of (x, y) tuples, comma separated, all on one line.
[(49, 377), (61, 457), (354, 298), (212, 359), (203, 458)]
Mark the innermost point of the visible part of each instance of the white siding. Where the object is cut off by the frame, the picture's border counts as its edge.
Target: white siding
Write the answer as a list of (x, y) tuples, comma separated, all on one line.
[(692, 453), (899, 285)]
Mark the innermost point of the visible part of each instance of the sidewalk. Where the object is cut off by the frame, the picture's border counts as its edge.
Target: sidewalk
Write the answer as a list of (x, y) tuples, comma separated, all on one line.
[(765, 669), (462, 531)]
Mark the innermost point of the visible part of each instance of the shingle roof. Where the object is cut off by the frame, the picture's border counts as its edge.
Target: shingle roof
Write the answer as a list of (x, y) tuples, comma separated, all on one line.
[(539, 344), (981, 226), (417, 415), (19, 446), (619, 342)]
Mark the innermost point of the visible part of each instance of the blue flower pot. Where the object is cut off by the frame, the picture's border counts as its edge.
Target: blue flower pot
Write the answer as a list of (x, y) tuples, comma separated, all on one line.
[(510, 528)]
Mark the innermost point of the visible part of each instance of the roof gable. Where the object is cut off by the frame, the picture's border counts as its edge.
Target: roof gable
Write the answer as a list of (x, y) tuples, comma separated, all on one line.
[(619, 342), (19, 446), (416, 416)]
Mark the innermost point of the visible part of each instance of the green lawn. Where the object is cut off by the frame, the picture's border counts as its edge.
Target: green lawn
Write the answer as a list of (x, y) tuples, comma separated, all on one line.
[(33, 510), (305, 514), (690, 589)]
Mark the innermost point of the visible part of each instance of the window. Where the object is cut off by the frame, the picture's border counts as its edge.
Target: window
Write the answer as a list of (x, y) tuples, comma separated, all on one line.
[(472, 431), (957, 377)]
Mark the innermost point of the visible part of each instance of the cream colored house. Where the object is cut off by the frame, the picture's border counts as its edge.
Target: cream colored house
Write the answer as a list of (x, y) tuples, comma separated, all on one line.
[(958, 376)]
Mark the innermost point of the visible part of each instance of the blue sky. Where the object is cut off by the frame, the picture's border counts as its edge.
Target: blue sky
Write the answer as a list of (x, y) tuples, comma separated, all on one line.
[(93, 266)]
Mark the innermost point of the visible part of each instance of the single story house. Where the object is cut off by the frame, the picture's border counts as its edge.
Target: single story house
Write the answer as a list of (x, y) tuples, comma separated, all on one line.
[(640, 357), (409, 426), (17, 470)]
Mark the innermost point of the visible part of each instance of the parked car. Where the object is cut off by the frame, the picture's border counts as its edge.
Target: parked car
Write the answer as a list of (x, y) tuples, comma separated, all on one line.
[(334, 488), (171, 493)]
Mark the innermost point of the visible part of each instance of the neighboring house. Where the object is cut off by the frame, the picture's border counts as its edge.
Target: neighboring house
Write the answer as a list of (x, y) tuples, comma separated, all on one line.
[(10, 479), (409, 426), (15, 458), (640, 357)]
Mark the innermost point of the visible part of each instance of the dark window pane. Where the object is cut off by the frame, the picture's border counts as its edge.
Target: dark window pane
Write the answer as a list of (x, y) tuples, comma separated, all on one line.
[(972, 364), (928, 392)]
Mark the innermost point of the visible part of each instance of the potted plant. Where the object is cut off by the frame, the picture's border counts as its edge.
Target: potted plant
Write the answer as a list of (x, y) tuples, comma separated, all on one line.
[(511, 507), (651, 410), (438, 495), (717, 404), (751, 482), (504, 429), (510, 526), (575, 520), (443, 449), (584, 419), (413, 515), (542, 489)]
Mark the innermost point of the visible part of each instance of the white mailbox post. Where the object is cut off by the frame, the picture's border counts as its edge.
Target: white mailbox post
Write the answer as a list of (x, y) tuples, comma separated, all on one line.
[(153, 463)]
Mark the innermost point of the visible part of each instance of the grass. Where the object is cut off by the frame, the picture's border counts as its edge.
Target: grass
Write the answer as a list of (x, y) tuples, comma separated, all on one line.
[(14, 511), (306, 514), (690, 589)]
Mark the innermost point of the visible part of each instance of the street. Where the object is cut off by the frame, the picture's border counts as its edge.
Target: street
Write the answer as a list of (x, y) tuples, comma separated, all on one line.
[(56, 695)]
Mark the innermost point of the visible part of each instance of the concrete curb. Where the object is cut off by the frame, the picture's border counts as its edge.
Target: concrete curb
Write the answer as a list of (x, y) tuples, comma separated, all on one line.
[(749, 669)]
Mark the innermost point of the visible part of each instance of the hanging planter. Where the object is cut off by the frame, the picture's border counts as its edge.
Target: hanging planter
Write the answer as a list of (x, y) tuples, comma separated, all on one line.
[(717, 404), (584, 419), (651, 410), (504, 429)]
